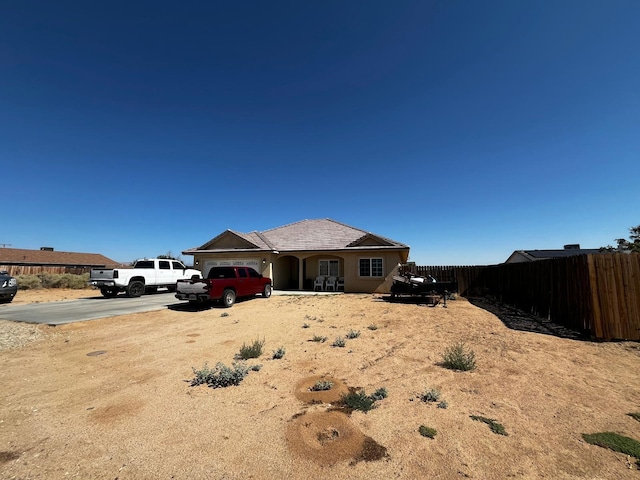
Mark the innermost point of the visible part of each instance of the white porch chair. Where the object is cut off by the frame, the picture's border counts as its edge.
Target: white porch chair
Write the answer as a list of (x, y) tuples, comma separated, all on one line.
[(340, 284), (318, 284), (330, 284)]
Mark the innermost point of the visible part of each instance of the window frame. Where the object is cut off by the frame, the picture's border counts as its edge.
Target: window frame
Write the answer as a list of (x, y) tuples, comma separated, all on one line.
[(329, 261), (371, 268)]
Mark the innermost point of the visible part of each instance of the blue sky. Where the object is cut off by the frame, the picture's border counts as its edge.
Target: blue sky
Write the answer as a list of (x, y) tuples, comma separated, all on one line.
[(464, 129)]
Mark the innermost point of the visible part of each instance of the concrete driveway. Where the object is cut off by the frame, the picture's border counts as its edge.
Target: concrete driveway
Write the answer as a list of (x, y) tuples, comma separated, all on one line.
[(58, 313)]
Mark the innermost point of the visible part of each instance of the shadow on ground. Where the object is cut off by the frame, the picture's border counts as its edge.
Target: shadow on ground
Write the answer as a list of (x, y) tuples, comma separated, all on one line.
[(519, 320), (422, 301), (183, 306)]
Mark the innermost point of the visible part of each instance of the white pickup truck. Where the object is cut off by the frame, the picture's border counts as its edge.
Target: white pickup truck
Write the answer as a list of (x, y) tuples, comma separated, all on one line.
[(146, 275)]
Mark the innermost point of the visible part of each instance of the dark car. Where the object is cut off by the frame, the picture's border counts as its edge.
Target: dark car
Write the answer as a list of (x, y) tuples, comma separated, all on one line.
[(8, 287)]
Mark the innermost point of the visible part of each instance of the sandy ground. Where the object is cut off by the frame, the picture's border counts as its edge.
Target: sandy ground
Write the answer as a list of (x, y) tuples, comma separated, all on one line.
[(111, 398)]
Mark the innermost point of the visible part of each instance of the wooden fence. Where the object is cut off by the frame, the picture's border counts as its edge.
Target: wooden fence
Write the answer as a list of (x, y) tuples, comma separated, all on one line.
[(37, 269), (598, 295)]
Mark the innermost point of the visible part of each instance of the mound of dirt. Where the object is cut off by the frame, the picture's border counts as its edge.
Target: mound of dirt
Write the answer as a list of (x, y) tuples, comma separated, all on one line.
[(303, 390)]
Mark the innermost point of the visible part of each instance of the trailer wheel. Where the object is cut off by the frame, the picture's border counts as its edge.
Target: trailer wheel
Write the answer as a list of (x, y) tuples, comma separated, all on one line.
[(108, 292), (228, 297), (266, 292), (135, 289)]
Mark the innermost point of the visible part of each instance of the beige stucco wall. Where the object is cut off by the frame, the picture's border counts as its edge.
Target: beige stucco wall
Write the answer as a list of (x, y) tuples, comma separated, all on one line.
[(282, 267), (354, 283), (350, 269)]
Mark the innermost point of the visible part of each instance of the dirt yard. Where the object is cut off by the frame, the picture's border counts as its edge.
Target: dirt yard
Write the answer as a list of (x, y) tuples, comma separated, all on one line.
[(111, 398)]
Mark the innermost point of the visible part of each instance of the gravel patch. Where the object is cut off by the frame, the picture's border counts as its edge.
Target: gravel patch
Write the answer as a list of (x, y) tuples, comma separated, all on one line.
[(15, 335)]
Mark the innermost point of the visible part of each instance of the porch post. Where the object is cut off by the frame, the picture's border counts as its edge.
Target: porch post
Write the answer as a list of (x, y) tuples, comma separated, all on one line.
[(300, 273)]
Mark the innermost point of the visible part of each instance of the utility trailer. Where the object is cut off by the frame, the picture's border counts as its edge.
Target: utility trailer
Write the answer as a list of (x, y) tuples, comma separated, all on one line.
[(425, 287)]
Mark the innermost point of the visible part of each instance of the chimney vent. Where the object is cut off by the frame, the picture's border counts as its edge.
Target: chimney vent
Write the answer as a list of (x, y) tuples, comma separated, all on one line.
[(46, 249), (572, 246)]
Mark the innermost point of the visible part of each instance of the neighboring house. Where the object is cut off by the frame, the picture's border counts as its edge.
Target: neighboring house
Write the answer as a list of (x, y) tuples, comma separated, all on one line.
[(295, 255), (19, 261), (520, 256)]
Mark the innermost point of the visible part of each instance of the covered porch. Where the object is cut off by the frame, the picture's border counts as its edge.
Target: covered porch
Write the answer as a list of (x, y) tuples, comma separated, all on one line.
[(312, 272)]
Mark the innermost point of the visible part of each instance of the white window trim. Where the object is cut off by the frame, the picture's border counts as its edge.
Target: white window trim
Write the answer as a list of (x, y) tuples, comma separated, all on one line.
[(337, 260), (370, 267)]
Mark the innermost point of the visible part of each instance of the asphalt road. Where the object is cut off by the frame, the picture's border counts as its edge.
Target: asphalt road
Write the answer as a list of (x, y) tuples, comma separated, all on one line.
[(58, 313)]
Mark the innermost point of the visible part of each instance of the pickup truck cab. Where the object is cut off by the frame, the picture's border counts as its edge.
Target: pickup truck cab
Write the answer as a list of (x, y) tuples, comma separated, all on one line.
[(147, 274), (224, 284)]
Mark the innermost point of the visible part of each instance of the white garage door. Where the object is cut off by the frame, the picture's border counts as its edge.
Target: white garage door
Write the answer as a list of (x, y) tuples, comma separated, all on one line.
[(233, 262)]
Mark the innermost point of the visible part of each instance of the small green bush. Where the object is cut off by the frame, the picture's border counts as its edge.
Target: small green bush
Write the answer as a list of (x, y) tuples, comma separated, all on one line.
[(493, 425), (456, 357), (443, 404), (372, 327), (352, 334), (256, 368), (380, 394), (305, 325), (251, 351), (635, 415), (427, 431), (278, 354), (220, 376), (615, 442), (319, 338), (321, 385), (431, 395), (339, 342), (359, 401)]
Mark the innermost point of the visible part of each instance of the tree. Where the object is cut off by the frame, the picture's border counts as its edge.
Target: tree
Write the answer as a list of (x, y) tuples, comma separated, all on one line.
[(624, 245)]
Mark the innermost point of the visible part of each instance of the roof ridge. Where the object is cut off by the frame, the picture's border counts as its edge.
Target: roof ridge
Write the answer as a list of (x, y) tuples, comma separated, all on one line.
[(283, 226), (349, 226), (264, 239)]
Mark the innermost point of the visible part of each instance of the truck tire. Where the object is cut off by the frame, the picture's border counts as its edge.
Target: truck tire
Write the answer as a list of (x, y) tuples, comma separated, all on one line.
[(228, 298), (266, 292), (135, 289), (108, 292)]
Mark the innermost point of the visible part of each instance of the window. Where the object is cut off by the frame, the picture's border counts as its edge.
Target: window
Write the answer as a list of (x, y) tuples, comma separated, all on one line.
[(329, 268), (144, 264), (178, 266), (242, 273), (371, 267), (222, 272), (253, 273), (164, 265)]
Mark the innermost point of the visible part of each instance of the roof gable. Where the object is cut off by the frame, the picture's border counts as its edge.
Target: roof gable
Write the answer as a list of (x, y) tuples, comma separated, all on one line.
[(229, 240), (371, 240)]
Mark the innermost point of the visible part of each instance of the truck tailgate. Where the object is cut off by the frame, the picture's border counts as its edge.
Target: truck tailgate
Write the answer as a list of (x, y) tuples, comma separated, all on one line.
[(191, 286), (101, 274)]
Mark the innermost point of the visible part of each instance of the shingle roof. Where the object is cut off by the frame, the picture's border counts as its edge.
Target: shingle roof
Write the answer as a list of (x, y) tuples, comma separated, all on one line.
[(533, 255), (540, 254), (319, 234), (19, 256)]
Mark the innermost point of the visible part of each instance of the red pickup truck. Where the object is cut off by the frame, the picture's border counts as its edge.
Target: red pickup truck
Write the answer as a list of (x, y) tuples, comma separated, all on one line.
[(224, 284)]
